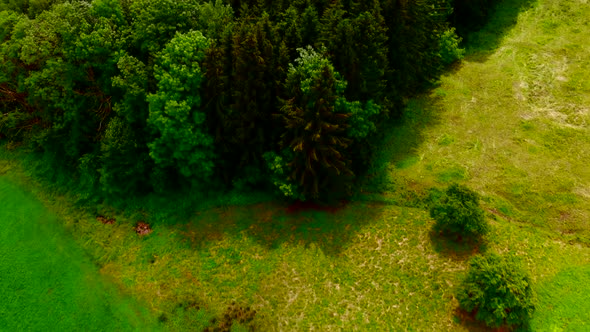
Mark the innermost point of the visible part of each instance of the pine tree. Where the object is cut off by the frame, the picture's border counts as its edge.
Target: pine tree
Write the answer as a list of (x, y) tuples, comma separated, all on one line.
[(314, 132)]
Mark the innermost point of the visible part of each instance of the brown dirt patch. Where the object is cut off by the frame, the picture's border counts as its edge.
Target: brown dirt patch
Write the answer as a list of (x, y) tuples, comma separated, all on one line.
[(142, 228), (105, 220)]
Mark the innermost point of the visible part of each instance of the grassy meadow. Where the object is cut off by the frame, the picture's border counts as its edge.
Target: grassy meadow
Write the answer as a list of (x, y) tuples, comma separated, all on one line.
[(512, 122), (47, 283)]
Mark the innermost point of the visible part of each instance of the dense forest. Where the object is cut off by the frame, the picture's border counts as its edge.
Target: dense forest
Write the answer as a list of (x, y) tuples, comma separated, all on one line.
[(135, 96)]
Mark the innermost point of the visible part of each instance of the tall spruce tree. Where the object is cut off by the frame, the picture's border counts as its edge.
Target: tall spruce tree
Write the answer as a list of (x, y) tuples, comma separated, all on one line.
[(314, 132)]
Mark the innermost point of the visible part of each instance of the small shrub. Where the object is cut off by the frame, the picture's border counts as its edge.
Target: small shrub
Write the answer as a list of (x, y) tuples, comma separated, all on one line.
[(498, 291), (278, 166), (449, 47), (457, 213)]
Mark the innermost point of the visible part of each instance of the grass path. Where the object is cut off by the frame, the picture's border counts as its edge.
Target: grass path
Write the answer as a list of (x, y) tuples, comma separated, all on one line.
[(46, 282)]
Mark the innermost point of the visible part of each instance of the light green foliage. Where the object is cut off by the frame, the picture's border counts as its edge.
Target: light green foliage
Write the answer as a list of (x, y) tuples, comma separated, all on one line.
[(175, 109), (132, 81), (31, 8), (458, 213), (360, 122), (308, 66), (449, 47), (59, 90), (155, 22), (36, 7), (214, 17), (110, 9), (498, 290), (279, 169)]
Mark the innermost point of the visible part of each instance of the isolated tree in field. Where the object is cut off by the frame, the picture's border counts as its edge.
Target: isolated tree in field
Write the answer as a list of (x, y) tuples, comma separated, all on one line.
[(457, 213), (498, 291), (181, 137)]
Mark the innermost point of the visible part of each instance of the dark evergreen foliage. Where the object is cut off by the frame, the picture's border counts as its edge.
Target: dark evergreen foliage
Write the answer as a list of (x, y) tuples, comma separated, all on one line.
[(76, 79), (469, 15), (314, 131)]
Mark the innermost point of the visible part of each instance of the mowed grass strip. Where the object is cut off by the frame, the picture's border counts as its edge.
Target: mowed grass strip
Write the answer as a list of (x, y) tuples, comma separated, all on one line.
[(46, 281)]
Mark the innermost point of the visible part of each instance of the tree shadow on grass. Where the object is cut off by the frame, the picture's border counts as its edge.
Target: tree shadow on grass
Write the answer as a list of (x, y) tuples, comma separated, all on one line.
[(468, 321), (482, 43), (273, 224), (448, 246), (397, 149)]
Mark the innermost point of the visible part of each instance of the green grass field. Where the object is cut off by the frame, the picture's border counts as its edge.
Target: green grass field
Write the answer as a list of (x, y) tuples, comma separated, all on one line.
[(47, 283), (511, 122)]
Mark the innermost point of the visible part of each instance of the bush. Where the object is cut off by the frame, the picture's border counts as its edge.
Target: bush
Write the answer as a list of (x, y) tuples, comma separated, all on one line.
[(498, 291), (457, 213), (449, 47)]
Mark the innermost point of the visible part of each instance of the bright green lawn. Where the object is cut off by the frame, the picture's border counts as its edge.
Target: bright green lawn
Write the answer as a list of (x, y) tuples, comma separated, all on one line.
[(46, 281), (511, 122)]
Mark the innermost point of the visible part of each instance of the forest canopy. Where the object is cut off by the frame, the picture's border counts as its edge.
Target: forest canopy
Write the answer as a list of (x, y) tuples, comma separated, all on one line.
[(134, 96)]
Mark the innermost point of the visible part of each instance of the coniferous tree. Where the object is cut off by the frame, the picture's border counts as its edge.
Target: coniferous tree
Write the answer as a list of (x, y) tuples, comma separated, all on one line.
[(314, 132), (244, 72), (358, 49)]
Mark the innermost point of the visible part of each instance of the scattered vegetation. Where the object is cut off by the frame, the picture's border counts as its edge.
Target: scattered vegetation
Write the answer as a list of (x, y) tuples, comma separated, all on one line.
[(234, 318), (458, 213), (497, 291)]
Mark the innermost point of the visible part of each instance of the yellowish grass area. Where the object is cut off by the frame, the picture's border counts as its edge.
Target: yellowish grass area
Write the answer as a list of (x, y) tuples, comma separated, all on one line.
[(368, 267), (514, 124)]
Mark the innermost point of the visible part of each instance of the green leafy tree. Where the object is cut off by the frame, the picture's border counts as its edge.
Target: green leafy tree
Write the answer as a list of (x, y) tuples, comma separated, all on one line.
[(182, 139), (17, 116), (278, 165), (498, 291), (124, 163), (31, 8), (155, 22), (68, 60), (214, 17), (457, 213)]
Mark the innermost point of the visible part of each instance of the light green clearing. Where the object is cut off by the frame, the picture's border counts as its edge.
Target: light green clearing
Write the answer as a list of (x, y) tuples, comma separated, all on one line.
[(46, 281)]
